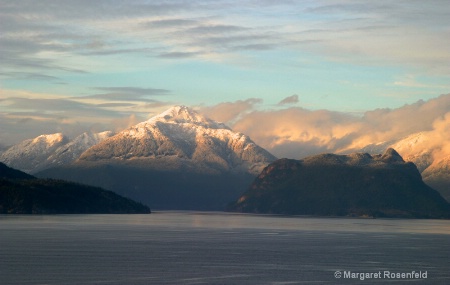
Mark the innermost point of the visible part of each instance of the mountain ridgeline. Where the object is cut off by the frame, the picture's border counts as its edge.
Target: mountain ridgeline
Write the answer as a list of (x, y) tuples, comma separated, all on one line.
[(21, 193), (46, 151), (178, 159), (343, 185)]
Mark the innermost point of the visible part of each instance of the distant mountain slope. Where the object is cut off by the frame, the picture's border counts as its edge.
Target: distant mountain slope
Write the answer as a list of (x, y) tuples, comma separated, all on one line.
[(176, 160), (21, 193), (343, 185), (32, 154), (46, 151)]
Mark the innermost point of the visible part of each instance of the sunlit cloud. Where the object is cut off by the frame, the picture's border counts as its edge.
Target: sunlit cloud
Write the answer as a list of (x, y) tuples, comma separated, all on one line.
[(298, 132), (229, 112)]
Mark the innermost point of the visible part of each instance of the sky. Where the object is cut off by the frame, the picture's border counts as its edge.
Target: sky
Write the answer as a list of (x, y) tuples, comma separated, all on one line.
[(298, 76)]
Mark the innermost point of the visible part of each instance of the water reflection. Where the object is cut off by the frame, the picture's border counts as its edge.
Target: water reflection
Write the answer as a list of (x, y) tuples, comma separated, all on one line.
[(178, 220)]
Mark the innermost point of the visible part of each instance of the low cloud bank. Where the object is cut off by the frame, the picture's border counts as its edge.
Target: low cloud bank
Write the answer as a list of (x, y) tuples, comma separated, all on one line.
[(296, 132)]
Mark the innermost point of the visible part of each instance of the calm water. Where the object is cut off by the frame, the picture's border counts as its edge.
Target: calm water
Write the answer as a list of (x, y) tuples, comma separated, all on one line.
[(218, 248)]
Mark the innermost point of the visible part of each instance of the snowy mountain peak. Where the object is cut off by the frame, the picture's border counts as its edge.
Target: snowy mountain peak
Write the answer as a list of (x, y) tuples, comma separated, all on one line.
[(30, 154), (49, 140), (185, 115)]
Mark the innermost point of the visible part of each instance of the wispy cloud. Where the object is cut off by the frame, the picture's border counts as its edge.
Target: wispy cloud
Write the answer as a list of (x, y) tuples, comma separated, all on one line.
[(127, 93), (289, 100), (22, 112), (412, 82), (178, 55), (401, 32), (29, 76)]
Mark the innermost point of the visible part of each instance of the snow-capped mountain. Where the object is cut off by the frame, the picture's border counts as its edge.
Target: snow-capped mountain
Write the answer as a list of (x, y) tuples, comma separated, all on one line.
[(176, 160), (46, 151), (31, 154), (181, 137)]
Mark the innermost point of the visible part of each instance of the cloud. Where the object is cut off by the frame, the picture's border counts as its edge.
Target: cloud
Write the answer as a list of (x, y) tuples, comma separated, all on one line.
[(29, 76), (57, 108), (116, 105), (117, 51), (228, 112), (289, 100), (170, 23), (22, 112), (215, 29), (19, 127), (404, 33), (425, 148), (316, 130), (126, 122), (127, 94), (178, 55), (297, 132), (412, 82)]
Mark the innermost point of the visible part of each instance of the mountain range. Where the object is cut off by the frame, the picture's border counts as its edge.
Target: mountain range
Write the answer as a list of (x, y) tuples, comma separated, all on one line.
[(181, 159), (358, 184), (178, 159)]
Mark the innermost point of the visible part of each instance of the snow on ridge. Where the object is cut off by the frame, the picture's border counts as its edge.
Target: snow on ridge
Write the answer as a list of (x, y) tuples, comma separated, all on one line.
[(44, 151), (49, 140), (182, 115)]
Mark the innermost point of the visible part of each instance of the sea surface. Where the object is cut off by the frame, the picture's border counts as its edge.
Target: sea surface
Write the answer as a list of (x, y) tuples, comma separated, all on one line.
[(221, 248)]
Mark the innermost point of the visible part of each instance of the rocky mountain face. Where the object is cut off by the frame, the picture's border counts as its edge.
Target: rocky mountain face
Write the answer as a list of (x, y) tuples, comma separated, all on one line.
[(21, 193), (357, 184), (176, 160), (47, 151)]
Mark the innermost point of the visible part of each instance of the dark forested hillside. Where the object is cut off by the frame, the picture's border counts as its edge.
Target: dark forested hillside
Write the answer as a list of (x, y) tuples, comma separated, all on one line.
[(21, 193)]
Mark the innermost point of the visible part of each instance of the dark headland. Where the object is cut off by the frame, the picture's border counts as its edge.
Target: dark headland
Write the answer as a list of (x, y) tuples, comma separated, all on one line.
[(21, 193), (357, 184)]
